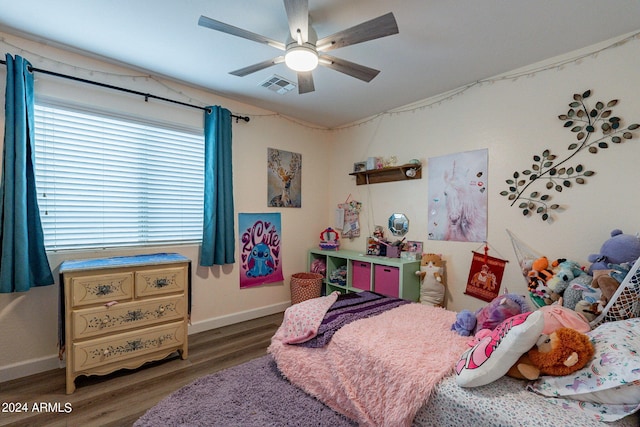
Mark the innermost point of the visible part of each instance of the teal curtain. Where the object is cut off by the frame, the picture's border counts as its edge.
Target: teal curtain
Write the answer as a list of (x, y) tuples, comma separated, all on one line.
[(218, 239), (23, 259)]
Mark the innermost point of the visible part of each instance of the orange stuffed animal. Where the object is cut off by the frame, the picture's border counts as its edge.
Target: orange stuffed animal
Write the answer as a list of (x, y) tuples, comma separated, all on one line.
[(560, 353)]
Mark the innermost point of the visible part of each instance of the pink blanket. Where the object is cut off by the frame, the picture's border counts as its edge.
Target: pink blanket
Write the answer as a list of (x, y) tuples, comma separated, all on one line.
[(377, 371)]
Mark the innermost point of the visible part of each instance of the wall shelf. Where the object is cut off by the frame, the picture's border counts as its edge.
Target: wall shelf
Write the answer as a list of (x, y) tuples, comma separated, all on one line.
[(395, 173)]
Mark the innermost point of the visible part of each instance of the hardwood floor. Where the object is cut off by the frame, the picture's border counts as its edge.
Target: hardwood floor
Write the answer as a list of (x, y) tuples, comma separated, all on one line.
[(121, 398)]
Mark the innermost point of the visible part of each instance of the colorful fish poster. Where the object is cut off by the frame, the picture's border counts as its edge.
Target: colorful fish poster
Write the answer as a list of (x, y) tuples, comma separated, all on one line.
[(260, 261)]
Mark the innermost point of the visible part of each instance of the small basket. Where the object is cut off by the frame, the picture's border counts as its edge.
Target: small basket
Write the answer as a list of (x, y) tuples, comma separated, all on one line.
[(305, 286)]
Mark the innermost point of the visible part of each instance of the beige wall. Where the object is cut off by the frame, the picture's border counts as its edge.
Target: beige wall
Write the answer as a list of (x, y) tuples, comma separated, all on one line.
[(513, 119), (28, 321)]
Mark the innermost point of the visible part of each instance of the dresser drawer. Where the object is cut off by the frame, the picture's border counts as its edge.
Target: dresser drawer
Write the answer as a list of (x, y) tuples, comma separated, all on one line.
[(161, 281), (94, 321), (92, 289), (102, 351)]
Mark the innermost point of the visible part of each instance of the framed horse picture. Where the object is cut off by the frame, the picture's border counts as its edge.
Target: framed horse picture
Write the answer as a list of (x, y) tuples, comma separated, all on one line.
[(458, 197)]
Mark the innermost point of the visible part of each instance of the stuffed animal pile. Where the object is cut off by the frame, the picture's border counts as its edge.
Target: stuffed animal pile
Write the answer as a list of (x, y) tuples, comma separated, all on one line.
[(570, 296), (585, 290)]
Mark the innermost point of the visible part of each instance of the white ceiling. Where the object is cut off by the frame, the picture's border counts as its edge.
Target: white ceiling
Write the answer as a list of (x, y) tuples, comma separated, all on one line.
[(442, 44)]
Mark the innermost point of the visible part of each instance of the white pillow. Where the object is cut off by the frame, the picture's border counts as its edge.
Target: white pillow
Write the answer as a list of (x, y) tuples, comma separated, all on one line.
[(492, 357), (610, 383)]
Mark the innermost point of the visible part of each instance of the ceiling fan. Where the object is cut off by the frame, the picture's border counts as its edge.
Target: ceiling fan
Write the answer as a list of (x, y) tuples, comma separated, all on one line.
[(304, 51)]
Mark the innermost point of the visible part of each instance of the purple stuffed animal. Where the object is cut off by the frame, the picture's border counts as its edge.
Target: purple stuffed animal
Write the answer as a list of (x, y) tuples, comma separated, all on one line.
[(490, 316), (620, 248)]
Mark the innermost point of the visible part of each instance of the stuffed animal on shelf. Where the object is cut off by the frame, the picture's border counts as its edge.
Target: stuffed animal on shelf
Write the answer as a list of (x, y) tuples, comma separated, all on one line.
[(432, 286), (618, 249), (560, 353)]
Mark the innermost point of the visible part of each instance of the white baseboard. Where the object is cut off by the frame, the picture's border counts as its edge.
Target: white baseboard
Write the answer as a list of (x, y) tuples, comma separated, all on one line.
[(231, 319), (30, 367), (47, 363)]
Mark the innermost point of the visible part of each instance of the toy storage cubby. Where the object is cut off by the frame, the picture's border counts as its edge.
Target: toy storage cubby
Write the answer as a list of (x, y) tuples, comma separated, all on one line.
[(389, 276)]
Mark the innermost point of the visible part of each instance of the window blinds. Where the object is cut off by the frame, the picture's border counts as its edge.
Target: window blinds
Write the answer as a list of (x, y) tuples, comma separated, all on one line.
[(106, 181)]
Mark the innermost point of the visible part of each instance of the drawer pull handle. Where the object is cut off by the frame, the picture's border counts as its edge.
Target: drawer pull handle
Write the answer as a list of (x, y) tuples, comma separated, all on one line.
[(161, 310), (109, 304), (105, 353), (161, 283)]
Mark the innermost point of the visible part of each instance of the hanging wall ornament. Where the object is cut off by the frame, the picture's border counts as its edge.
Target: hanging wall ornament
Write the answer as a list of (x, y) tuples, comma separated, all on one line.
[(485, 275), (350, 215), (595, 128)]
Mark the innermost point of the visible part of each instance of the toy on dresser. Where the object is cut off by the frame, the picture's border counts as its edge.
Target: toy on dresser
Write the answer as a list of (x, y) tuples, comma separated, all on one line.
[(432, 286)]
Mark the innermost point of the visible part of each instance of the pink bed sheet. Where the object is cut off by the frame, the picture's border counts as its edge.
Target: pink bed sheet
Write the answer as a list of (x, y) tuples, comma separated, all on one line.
[(377, 371)]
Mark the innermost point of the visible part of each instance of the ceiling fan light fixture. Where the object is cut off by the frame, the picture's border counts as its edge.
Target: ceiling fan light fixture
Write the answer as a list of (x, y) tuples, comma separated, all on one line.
[(301, 58)]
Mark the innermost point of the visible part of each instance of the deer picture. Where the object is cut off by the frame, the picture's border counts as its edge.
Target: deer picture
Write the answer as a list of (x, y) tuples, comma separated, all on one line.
[(285, 175)]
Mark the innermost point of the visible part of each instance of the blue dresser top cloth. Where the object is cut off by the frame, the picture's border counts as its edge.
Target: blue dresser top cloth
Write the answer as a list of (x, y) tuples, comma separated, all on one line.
[(121, 261)]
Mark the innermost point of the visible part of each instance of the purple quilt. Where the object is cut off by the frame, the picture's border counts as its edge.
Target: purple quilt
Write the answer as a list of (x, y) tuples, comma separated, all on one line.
[(349, 308)]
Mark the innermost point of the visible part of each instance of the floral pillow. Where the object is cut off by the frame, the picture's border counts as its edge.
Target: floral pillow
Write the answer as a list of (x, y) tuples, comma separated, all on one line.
[(494, 354), (609, 386)]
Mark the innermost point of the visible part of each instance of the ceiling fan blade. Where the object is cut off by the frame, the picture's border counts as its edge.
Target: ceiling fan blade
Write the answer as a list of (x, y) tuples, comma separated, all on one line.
[(305, 82), (349, 68), (239, 32), (257, 67), (298, 16), (376, 28)]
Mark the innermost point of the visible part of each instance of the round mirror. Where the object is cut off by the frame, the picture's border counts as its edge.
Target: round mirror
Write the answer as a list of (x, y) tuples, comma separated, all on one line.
[(398, 224)]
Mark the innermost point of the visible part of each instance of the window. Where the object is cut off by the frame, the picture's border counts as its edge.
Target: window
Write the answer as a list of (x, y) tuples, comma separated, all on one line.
[(106, 181)]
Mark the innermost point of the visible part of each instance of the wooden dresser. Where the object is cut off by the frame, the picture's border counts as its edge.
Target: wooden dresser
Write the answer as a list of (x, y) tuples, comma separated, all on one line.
[(122, 312)]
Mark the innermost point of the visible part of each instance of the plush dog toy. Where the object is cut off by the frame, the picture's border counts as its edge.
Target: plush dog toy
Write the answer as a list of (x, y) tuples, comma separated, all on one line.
[(560, 353)]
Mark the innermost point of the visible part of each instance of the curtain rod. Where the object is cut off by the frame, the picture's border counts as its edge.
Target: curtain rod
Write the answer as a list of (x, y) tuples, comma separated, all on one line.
[(122, 89)]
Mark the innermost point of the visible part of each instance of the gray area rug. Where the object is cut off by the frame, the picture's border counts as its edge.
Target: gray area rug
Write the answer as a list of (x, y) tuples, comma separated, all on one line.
[(253, 394)]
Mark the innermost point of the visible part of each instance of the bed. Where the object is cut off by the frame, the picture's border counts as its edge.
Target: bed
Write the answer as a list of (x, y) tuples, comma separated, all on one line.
[(390, 363)]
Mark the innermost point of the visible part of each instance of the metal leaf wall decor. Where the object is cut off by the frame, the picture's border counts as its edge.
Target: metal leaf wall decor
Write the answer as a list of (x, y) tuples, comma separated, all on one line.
[(595, 128)]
